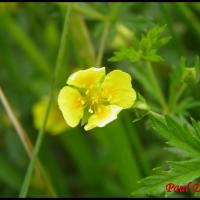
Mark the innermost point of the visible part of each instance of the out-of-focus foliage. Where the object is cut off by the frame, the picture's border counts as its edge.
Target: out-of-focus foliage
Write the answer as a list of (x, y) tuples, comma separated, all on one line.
[(55, 123)]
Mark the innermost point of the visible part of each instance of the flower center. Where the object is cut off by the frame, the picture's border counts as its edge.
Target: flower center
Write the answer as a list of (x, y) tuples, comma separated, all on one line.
[(93, 98)]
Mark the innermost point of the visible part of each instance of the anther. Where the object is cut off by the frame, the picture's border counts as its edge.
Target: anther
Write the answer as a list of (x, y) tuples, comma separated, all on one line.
[(90, 111), (82, 102), (87, 92)]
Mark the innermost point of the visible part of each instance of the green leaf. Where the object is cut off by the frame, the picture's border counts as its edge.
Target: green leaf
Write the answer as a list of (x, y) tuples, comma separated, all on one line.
[(152, 56), (180, 173), (147, 48), (152, 37), (179, 133), (125, 53), (196, 126)]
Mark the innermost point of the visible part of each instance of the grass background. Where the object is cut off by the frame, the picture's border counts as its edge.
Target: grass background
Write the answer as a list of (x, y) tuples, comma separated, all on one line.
[(105, 161)]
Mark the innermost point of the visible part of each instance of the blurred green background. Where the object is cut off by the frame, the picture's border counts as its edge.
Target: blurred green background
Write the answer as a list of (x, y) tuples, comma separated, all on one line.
[(104, 161)]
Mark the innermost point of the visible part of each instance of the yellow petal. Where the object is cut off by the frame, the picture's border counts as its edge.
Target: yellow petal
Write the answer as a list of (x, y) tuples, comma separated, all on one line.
[(103, 116), (117, 88), (86, 78), (69, 101)]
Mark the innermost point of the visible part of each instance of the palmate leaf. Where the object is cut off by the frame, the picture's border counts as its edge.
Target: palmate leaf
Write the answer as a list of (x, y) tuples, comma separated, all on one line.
[(153, 40), (147, 49), (180, 173), (181, 135), (126, 53), (178, 133)]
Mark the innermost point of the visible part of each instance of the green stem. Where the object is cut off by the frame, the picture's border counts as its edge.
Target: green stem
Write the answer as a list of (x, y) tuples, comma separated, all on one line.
[(21, 133), (83, 41), (103, 43), (176, 39), (25, 140), (27, 179), (51, 190), (155, 85), (173, 101), (190, 18), (107, 21), (137, 146), (88, 11)]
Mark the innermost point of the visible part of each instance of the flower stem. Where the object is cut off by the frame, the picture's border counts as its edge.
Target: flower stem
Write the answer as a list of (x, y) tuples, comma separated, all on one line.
[(190, 18), (155, 85), (176, 39), (82, 41), (25, 140), (27, 179), (173, 101), (21, 132), (90, 12)]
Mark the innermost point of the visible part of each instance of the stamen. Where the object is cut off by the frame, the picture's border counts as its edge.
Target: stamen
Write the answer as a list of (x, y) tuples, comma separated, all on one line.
[(90, 111), (82, 102), (87, 92)]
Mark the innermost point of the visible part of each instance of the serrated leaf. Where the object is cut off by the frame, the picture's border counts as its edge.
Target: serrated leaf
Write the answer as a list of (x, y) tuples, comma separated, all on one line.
[(147, 48), (180, 173), (125, 53), (152, 56), (178, 133), (178, 151), (196, 126), (153, 40)]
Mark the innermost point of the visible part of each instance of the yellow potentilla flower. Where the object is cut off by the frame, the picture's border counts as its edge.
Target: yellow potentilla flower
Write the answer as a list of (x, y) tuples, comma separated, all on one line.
[(55, 123), (94, 97)]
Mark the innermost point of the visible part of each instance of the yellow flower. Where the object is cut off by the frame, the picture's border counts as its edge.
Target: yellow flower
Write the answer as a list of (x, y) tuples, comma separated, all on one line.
[(55, 123), (94, 97)]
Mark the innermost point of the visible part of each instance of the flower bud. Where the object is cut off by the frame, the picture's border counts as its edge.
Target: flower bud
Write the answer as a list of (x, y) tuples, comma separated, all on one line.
[(189, 75)]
